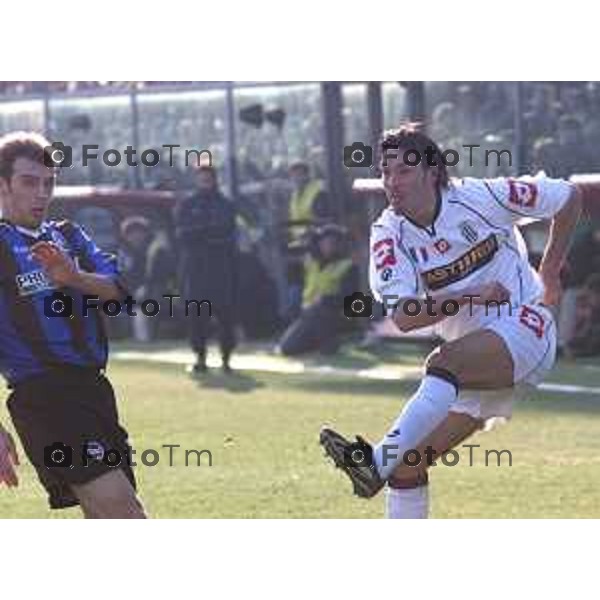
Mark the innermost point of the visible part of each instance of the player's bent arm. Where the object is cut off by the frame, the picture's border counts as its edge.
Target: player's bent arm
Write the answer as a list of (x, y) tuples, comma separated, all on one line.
[(433, 310), (103, 286), (562, 227), (430, 313)]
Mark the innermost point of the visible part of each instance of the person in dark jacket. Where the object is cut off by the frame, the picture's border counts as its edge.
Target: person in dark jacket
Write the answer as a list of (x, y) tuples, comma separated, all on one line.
[(205, 231)]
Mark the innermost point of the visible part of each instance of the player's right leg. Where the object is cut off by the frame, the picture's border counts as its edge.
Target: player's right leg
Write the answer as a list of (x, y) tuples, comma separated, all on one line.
[(109, 496), (59, 417), (407, 490)]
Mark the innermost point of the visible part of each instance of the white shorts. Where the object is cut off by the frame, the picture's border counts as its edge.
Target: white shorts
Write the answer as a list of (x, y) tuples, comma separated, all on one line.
[(530, 334)]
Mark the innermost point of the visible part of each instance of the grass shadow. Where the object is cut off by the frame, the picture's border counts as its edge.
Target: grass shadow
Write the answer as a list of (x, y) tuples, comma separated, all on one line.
[(235, 381)]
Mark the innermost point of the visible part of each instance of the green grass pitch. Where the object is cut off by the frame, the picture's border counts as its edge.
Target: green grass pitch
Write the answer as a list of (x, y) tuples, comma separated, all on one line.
[(262, 431)]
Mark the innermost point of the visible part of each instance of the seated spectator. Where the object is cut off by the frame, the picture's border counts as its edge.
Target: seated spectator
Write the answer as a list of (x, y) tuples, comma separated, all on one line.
[(309, 206), (148, 265), (329, 276), (586, 341)]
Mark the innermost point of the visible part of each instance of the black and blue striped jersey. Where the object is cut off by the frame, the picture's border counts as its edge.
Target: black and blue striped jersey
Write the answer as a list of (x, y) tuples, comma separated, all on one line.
[(32, 343)]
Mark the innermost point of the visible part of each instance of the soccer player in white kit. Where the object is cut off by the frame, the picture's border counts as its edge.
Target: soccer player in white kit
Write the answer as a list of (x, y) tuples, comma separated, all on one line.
[(451, 251)]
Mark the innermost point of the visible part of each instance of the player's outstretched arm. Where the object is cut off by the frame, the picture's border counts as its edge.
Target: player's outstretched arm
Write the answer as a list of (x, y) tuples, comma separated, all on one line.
[(8, 459), (557, 246)]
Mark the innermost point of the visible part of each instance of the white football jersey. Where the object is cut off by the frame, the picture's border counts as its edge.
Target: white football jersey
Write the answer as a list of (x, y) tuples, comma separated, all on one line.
[(473, 240)]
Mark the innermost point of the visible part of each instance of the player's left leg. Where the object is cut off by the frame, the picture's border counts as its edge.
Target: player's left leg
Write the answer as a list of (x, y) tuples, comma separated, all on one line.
[(109, 496)]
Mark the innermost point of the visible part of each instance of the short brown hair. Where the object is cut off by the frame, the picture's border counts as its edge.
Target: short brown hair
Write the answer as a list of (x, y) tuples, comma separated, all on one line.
[(409, 136), (21, 144)]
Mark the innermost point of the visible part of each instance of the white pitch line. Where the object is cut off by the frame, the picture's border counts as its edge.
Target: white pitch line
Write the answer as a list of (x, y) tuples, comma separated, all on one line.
[(275, 364), (563, 388)]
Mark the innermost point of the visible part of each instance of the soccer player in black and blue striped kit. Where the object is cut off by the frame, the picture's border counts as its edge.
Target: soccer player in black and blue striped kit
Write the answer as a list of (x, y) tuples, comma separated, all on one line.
[(53, 358)]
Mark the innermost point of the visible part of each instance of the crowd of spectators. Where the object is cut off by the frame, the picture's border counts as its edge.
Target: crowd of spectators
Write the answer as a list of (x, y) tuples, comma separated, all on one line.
[(23, 88), (561, 124), (560, 128)]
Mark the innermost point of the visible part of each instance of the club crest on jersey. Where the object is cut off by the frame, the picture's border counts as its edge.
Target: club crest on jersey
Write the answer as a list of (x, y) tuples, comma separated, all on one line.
[(33, 282), (468, 231), (442, 246), (522, 193)]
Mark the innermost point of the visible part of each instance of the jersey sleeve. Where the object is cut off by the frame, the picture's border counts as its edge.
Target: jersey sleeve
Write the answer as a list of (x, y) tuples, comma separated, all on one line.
[(391, 274), (91, 258), (539, 197)]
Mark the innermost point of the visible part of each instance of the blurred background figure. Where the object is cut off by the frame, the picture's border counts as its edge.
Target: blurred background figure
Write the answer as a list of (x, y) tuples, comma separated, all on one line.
[(133, 257), (582, 263), (205, 229), (148, 263), (309, 206), (586, 340), (329, 276), (566, 153)]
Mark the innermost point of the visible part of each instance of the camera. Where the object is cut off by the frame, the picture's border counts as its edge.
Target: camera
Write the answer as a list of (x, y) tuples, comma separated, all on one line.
[(58, 305), (58, 155), (358, 155), (358, 305), (58, 455), (358, 454)]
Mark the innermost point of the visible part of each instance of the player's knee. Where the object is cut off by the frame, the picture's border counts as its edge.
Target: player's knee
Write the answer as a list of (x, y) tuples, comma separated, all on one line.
[(405, 477), (444, 359), (110, 496), (114, 506)]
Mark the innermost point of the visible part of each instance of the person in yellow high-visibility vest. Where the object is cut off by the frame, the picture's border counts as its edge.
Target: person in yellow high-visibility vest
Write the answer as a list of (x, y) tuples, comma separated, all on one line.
[(309, 206), (310, 203), (330, 275)]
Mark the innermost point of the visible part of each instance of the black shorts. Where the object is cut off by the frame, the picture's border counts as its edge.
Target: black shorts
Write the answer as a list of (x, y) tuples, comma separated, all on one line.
[(73, 407)]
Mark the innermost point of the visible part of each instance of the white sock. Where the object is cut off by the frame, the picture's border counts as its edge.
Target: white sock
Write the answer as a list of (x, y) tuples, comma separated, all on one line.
[(422, 414), (412, 503)]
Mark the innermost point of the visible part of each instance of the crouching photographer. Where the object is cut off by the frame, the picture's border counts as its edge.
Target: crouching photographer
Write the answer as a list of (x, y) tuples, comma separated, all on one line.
[(329, 276)]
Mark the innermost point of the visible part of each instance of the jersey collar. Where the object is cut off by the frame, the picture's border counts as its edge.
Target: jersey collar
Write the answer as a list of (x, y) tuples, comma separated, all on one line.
[(430, 229)]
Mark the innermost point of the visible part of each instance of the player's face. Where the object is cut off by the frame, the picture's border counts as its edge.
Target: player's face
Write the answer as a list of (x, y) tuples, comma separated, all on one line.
[(28, 193), (404, 184)]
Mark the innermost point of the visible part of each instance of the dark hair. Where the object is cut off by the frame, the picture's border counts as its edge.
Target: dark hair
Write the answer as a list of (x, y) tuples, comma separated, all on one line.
[(409, 136), (299, 165), (21, 144), (333, 231)]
